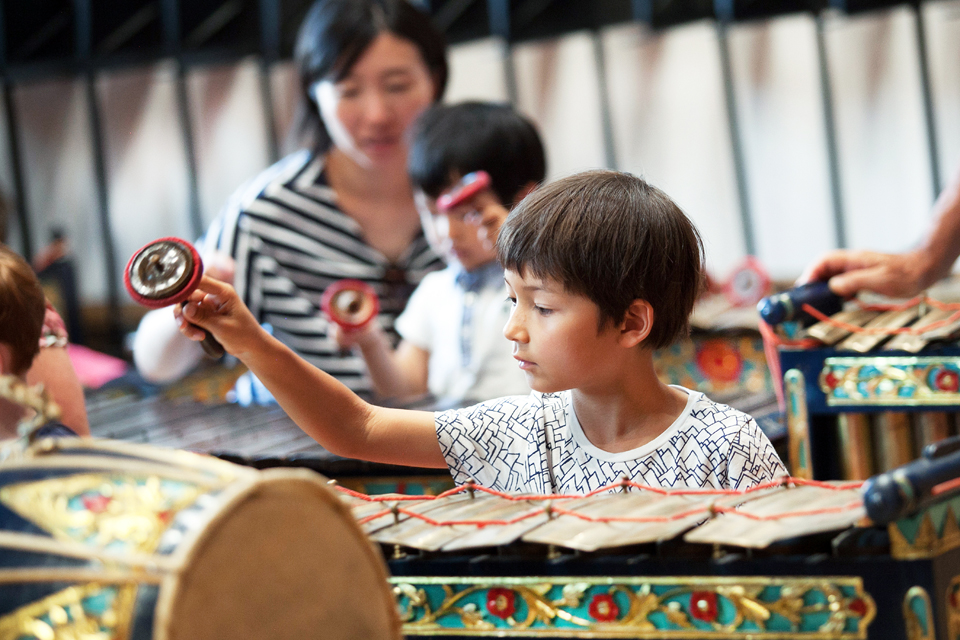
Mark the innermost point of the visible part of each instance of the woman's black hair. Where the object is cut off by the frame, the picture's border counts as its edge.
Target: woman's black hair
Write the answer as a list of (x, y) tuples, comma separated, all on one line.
[(450, 141), (335, 33)]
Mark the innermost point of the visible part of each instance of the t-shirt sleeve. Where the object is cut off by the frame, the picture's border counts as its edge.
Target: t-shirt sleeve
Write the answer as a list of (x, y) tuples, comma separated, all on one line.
[(486, 442), (752, 458), (413, 324)]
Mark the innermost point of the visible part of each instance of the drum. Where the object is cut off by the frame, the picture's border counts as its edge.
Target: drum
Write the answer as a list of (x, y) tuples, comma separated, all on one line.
[(100, 539)]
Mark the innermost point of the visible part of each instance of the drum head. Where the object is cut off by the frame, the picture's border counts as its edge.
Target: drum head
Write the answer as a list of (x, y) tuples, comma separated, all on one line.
[(284, 560)]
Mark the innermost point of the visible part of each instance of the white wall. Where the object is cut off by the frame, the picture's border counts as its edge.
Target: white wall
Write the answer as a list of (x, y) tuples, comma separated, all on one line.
[(667, 109)]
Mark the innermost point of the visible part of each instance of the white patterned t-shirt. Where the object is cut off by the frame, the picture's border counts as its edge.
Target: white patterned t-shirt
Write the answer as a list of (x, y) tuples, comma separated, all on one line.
[(534, 444)]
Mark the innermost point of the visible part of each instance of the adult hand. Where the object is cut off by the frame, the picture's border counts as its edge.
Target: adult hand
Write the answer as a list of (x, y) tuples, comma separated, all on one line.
[(848, 271)]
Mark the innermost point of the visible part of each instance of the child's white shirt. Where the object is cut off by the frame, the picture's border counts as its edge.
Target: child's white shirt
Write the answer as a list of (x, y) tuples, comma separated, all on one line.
[(470, 360), (534, 444)]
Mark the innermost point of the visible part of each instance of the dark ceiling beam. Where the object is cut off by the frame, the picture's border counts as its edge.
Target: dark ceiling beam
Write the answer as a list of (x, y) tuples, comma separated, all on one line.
[(54, 27), (133, 25), (213, 24), (450, 12)]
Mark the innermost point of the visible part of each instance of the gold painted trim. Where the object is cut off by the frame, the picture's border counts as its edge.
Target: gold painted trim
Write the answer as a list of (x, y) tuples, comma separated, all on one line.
[(798, 424), (736, 587), (936, 399), (927, 544), (25, 621), (952, 607), (913, 627)]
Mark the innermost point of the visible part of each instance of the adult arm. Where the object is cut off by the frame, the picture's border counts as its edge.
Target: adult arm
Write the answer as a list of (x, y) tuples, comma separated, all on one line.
[(320, 405), (52, 368), (899, 275)]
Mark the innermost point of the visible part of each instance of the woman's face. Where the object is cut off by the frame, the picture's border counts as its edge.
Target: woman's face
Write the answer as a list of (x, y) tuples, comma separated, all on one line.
[(367, 112)]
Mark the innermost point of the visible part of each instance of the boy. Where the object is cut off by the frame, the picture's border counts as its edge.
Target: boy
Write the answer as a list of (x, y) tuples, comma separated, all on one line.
[(452, 343), (23, 323), (601, 269)]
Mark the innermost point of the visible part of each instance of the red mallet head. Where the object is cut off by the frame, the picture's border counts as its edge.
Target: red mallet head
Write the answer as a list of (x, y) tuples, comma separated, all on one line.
[(163, 273), (469, 186), (352, 304)]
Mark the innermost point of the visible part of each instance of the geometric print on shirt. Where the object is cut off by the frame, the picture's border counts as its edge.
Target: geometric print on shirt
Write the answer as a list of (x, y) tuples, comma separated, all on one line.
[(534, 444), (290, 242)]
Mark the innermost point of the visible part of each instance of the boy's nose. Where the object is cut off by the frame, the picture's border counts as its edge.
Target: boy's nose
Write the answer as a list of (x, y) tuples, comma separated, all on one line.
[(513, 330)]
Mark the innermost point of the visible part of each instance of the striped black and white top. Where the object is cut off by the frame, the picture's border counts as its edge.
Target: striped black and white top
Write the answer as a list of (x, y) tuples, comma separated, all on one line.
[(290, 241)]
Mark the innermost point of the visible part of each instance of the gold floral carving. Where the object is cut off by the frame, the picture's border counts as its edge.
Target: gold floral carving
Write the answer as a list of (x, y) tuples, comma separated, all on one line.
[(651, 600), (67, 615), (119, 509)]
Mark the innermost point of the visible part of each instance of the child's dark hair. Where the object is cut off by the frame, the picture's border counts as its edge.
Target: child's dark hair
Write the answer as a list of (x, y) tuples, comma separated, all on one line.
[(22, 307), (335, 33), (613, 238), (454, 140)]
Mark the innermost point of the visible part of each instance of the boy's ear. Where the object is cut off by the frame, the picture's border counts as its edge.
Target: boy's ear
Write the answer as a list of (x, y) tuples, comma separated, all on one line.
[(637, 323), (524, 191)]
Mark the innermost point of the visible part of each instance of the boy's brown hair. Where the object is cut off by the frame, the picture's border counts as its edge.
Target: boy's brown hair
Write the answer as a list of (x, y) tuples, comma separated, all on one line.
[(22, 307), (612, 238)]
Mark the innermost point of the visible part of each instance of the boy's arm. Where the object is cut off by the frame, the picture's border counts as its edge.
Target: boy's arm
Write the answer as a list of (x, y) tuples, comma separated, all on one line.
[(395, 373), (320, 405)]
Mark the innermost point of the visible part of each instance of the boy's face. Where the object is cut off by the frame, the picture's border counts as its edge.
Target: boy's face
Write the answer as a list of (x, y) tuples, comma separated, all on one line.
[(555, 337), (456, 234)]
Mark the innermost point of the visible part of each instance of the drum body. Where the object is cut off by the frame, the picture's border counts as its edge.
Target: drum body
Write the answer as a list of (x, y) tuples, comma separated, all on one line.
[(100, 539)]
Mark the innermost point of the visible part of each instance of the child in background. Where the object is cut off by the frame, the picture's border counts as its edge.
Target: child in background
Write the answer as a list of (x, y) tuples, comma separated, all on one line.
[(451, 330), (27, 324), (601, 269)]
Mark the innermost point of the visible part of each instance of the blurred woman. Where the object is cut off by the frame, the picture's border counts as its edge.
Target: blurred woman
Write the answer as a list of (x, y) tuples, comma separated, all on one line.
[(342, 209)]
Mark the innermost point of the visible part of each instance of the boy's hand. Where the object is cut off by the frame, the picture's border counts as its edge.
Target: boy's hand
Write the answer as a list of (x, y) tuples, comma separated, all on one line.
[(215, 307)]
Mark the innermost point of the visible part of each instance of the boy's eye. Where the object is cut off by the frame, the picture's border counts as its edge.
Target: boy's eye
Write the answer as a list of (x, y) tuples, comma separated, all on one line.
[(542, 310), (512, 301)]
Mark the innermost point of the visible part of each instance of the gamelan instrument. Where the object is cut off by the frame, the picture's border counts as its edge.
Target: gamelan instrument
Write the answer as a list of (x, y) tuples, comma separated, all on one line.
[(866, 386), (102, 539), (790, 559), (166, 272)]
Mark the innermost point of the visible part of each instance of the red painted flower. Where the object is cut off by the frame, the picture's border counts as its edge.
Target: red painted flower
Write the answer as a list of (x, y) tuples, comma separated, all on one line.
[(500, 602), (831, 380), (96, 503), (948, 381), (859, 607), (719, 361), (603, 608), (703, 605)]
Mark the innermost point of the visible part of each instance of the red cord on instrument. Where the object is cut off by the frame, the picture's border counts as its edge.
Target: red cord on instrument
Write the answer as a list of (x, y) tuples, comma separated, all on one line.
[(552, 508), (885, 331)]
